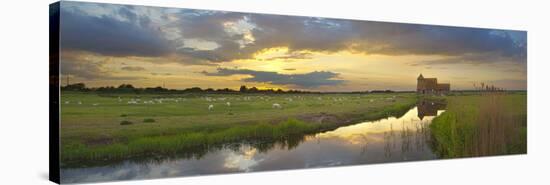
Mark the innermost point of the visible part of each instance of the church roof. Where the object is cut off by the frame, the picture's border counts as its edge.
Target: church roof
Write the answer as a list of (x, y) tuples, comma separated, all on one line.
[(420, 77)]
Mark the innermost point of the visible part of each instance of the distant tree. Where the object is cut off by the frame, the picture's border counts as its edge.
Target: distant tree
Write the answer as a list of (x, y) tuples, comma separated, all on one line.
[(193, 90), (225, 90), (75, 87), (243, 89), (126, 86), (253, 90)]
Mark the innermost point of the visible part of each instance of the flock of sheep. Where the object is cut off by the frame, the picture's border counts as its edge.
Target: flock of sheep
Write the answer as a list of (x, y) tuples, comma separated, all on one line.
[(275, 105), (246, 98)]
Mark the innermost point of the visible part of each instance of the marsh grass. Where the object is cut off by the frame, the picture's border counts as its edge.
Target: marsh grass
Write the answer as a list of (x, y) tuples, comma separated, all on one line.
[(489, 124)]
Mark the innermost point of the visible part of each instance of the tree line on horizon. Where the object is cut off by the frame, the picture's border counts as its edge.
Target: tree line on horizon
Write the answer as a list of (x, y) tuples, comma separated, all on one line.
[(129, 88)]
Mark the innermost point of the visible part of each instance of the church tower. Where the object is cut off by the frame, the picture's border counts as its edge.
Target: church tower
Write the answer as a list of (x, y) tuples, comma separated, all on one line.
[(420, 83)]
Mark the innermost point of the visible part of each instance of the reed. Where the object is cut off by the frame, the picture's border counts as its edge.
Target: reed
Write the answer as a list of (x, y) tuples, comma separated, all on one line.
[(493, 123)]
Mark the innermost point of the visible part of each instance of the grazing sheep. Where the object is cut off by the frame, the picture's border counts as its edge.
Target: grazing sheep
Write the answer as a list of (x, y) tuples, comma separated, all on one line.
[(210, 107), (228, 104), (67, 102), (276, 106), (79, 102), (95, 104), (132, 102)]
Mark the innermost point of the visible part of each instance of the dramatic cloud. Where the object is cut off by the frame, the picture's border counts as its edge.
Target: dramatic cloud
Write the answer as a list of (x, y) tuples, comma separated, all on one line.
[(133, 68), (307, 80), (228, 36), (331, 35), (109, 36)]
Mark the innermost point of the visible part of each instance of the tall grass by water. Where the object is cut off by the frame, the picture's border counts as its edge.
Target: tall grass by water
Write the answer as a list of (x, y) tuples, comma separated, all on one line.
[(158, 145), (492, 123)]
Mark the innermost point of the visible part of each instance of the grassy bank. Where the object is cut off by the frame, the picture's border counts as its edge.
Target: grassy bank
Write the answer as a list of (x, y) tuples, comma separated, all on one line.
[(92, 129), (482, 125)]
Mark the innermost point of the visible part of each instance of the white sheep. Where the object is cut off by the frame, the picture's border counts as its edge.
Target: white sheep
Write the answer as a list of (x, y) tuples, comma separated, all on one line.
[(79, 102), (210, 107), (276, 106), (95, 104), (67, 102), (228, 104)]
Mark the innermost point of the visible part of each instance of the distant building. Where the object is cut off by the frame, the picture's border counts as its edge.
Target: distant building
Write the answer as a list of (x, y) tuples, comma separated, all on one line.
[(430, 86)]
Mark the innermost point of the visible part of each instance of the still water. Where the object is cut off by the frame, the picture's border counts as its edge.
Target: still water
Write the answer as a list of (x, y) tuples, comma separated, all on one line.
[(392, 139)]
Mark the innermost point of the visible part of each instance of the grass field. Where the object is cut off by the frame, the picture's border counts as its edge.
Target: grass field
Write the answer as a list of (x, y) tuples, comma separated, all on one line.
[(492, 123), (121, 126)]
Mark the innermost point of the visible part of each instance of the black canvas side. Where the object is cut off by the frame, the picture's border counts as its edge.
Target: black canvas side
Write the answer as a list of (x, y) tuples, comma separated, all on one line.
[(54, 92)]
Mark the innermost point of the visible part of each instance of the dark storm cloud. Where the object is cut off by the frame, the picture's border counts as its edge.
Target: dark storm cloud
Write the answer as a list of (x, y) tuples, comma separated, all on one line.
[(109, 36), (307, 80), (132, 68), (397, 39), (331, 35), (138, 36)]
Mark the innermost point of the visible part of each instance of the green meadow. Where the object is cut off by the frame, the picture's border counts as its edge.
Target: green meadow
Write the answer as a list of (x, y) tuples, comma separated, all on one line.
[(109, 127)]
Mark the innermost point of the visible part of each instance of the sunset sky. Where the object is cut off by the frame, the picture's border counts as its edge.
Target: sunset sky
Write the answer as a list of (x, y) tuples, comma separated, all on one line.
[(104, 44)]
